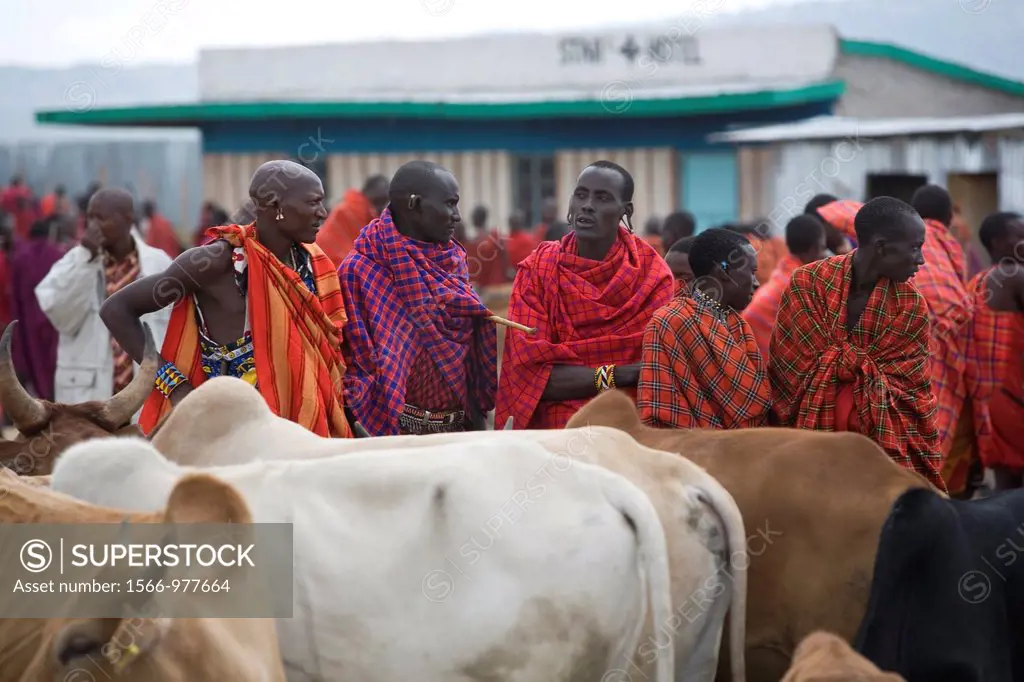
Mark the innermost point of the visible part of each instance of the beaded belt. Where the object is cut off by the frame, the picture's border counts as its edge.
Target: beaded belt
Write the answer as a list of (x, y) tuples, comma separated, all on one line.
[(417, 419)]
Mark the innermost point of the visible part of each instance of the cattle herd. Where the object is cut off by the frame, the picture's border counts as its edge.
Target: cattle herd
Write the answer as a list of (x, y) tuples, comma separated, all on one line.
[(604, 552)]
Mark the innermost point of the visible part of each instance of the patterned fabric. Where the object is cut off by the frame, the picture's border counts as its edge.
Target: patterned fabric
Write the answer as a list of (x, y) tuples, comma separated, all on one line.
[(587, 314), (884, 361), (296, 338), (401, 293), (430, 391), (701, 369), (840, 215), (119, 274), (760, 313), (942, 282), (995, 347)]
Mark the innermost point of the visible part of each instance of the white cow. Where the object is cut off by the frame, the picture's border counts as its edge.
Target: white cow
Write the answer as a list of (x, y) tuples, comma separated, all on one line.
[(437, 564), (703, 525)]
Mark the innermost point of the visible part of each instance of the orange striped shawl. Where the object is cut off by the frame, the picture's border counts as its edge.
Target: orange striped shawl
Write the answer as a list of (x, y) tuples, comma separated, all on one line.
[(296, 339), (840, 215)]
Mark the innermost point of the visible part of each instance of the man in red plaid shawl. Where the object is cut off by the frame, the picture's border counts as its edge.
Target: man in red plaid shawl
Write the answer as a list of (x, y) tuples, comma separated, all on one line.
[(701, 365), (589, 296), (421, 355), (942, 280), (850, 346)]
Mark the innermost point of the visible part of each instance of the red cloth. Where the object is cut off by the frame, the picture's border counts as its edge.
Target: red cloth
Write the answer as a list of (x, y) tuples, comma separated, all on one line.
[(340, 230), (160, 235), (942, 282), (587, 313), (486, 259), (995, 351), (35, 342), (701, 369), (399, 294), (19, 203), (840, 215), (770, 252), (656, 243), (760, 313), (519, 245), (885, 358)]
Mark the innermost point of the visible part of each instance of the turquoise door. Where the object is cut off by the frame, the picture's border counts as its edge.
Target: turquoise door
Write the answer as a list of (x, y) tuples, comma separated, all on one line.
[(710, 188)]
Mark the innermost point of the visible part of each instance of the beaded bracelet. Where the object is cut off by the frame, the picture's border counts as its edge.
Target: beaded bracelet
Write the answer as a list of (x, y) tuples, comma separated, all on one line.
[(168, 378), (604, 378)]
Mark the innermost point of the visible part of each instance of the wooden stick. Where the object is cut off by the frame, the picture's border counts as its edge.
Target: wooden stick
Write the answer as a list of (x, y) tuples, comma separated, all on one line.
[(514, 325)]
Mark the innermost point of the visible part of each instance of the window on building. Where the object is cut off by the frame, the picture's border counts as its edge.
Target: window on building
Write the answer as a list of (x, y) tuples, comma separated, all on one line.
[(896, 185), (533, 179)]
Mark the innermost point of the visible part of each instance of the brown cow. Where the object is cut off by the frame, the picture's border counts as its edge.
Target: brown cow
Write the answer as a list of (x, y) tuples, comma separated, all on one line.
[(46, 429), (822, 497), (169, 650), (824, 657)]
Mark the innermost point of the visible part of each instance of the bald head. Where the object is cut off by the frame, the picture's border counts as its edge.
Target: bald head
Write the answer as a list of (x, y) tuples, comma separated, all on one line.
[(274, 181), (424, 201), (112, 211), (288, 202), (114, 199)]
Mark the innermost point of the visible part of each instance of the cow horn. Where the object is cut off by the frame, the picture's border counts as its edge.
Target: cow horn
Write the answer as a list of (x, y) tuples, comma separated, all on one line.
[(118, 410), (26, 413), (508, 425), (360, 430)]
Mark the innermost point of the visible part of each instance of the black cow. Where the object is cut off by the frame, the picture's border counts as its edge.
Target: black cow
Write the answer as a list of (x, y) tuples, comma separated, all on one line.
[(947, 598)]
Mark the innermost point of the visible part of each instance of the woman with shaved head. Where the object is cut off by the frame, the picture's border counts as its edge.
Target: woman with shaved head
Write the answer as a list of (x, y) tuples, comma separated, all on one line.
[(260, 302)]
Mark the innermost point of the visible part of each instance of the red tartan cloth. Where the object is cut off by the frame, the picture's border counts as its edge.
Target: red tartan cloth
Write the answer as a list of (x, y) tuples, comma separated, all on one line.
[(760, 313), (430, 391), (995, 348), (884, 359), (700, 371), (942, 282), (401, 294), (587, 313)]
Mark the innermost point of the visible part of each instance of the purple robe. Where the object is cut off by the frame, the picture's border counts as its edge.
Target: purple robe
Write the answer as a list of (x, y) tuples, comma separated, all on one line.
[(35, 339)]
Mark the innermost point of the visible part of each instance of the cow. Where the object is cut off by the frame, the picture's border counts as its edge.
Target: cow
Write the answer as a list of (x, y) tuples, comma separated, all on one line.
[(47, 428), (506, 564), (947, 600), (168, 650), (823, 497), (823, 656), (703, 525)]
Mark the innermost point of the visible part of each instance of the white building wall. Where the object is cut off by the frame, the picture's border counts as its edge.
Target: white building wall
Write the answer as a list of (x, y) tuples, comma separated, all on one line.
[(485, 177)]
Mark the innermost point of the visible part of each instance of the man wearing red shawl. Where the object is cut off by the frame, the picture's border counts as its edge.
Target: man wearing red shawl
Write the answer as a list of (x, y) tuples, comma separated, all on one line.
[(701, 368), (995, 355), (158, 231), (836, 241), (260, 302), (520, 241), (421, 355), (678, 259), (356, 210), (850, 346), (18, 201), (35, 345), (942, 280), (589, 296), (805, 239)]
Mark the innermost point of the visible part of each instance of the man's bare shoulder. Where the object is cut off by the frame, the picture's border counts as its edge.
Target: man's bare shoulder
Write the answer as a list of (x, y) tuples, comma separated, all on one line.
[(207, 260)]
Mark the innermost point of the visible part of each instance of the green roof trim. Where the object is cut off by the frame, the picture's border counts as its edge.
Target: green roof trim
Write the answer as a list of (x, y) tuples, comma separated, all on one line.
[(190, 115), (958, 72)]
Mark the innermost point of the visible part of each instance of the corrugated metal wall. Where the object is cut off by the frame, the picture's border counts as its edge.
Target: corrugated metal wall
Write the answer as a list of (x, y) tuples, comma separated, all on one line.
[(168, 171), (485, 177), (841, 167), (226, 177), (654, 172), (1011, 176)]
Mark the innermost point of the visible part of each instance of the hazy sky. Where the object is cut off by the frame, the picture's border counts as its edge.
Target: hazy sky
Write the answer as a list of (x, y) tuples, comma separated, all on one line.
[(64, 32)]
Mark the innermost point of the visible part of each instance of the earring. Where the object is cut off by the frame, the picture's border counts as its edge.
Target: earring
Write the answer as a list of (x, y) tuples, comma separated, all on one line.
[(412, 201), (568, 217), (280, 215)]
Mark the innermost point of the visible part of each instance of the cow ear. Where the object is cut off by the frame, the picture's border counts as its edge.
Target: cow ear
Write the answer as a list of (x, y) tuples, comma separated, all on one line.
[(118, 641), (199, 498)]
